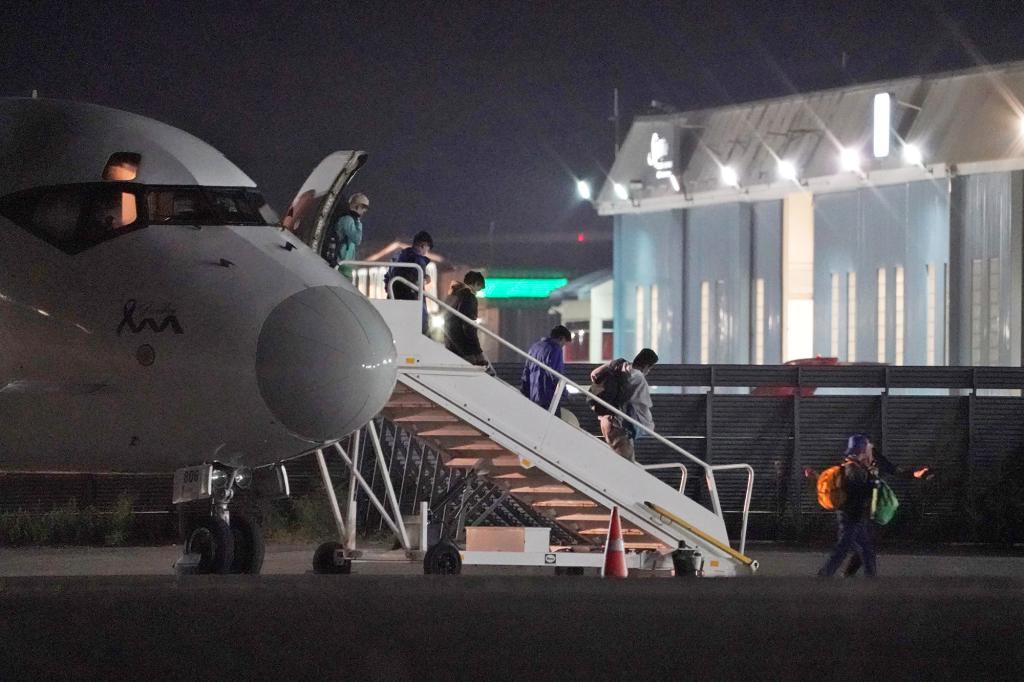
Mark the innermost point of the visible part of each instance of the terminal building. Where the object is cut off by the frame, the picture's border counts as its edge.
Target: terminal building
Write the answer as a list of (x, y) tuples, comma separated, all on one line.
[(871, 223)]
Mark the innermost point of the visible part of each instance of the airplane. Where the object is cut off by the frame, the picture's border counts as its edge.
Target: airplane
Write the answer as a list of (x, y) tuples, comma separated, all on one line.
[(155, 316)]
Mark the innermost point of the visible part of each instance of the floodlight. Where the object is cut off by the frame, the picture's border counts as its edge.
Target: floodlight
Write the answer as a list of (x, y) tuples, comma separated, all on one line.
[(620, 191), (674, 180), (583, 188), (849, 159), (787, 171), (912, 155), (729, 177)]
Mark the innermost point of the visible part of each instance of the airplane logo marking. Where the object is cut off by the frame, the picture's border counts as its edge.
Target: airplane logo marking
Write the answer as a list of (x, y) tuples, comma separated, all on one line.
[(169, 320)]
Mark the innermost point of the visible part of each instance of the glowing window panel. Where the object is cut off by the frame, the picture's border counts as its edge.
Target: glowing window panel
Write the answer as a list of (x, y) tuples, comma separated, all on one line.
[(977, 305), (521, 287), (759, 321), (993, 311), (851, 317), (930, 317), (899, 316), (641, 318), (881, 315), (655, 321), (705, 322), (834, 326)]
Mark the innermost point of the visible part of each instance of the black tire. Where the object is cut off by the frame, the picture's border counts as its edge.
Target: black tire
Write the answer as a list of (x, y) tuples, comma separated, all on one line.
[(442, 559), (211, 538), (323, 560), (249, 548)]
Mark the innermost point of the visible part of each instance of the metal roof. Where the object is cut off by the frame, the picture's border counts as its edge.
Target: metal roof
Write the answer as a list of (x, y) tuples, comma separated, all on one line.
[(963, 122), (580, 287)]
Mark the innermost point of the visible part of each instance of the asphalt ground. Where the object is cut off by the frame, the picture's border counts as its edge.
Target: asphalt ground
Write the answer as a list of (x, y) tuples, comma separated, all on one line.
[(915, 622), (509, 628)]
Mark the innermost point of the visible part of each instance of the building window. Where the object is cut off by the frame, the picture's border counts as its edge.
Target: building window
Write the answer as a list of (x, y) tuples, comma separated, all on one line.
[(834, 324), (881, 315), (851, 317), (899, 316), (655, 318), (723, 323), (930, 317), (705, 322), (641, 317), (993, 311), (977, 302), (945, 314), (759, 321)]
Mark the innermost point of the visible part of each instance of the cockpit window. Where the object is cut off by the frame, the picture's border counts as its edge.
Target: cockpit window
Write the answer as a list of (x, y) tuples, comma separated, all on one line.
[(204, 206), (75, 217)]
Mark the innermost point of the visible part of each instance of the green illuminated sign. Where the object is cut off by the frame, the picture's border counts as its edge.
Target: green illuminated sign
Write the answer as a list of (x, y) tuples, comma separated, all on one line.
[(521, 287)]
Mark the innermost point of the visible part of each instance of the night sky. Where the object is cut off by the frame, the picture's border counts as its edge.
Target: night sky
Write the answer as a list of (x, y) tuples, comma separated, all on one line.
[(471, 113)]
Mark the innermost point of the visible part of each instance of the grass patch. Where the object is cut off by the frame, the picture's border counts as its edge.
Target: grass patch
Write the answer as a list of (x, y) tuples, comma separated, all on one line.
[(69, 524)]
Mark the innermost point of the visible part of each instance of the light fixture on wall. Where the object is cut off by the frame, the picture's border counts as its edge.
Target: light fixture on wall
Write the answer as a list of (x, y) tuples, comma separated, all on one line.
[(583, 189), (849, 159), (912, 155), (620, 191), (730, 178), (787, 170)]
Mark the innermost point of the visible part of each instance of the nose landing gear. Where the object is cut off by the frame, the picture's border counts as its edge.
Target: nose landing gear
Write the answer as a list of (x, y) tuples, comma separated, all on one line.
[(218, 541)]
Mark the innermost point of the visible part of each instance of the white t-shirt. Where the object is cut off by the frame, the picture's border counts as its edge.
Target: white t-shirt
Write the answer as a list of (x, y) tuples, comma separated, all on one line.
[(638, 402)]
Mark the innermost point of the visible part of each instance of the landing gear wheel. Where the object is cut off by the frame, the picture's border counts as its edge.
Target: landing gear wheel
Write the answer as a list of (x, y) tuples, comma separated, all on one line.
[(442, 559), (324, 561), (248, 541), (211, 538)]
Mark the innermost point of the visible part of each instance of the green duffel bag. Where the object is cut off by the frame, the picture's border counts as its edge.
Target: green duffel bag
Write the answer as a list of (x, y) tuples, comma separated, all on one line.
[(883, 504)]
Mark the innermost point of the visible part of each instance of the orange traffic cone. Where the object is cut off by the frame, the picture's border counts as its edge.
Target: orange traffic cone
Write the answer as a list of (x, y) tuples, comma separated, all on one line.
[(614, 550)]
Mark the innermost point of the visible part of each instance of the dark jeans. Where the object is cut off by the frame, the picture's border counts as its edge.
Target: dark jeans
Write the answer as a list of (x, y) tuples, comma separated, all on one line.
[(854, 536)]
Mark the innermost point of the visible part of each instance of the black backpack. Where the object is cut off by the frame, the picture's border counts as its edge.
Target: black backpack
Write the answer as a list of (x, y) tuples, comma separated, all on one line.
[(610, 386)]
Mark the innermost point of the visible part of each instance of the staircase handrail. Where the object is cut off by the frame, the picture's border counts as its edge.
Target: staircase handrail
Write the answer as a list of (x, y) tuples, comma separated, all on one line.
[(709, 470)]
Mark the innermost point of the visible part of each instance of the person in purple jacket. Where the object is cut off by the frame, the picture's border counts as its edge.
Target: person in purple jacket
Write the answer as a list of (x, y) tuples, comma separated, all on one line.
[(537, 383)]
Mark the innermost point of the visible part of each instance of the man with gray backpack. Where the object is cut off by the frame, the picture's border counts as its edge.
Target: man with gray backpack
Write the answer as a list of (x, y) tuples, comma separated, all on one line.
[(623, 385)]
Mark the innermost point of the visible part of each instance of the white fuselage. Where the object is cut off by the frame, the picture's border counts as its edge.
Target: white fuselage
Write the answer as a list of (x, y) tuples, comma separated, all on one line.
[(149, 351)]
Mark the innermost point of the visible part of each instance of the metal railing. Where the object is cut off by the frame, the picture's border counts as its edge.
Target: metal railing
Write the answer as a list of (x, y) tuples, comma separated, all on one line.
[(563, 381)]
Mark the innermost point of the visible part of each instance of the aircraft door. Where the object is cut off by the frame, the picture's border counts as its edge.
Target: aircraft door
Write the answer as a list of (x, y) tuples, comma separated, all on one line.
[(317, 200)]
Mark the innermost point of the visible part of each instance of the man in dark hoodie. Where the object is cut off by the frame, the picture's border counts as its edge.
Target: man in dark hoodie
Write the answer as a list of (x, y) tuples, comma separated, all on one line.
[(422, 243), (460, 337)]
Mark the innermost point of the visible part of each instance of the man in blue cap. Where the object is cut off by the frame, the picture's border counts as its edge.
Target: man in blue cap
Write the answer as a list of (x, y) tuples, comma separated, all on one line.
[(859, 477)]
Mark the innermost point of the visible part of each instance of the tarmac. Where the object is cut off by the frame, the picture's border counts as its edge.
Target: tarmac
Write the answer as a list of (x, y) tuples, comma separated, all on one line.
[(124, 615)]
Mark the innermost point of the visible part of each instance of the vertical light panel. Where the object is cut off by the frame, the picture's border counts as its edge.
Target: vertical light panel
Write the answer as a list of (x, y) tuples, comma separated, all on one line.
[(993, 311), (880, 341), (945, 314), (882, 124), (851, 317), (655, 318), (929, 352), (723, 322), (977, 308), (834, 313), (759, 321), (898, 323), (641, 318), (705, 322)]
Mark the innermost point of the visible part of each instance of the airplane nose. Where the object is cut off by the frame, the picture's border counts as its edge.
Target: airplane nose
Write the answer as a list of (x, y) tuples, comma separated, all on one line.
[(325, 362)]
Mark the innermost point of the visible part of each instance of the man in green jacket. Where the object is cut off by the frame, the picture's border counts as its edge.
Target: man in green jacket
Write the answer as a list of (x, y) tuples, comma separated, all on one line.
[(348, 230)]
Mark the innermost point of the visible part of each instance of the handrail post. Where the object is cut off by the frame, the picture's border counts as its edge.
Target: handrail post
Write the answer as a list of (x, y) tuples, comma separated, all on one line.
[(557, 397)]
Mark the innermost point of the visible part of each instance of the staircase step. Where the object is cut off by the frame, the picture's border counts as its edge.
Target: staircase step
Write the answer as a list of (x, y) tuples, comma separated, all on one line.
[(414, 415), (503, 461), (458, 430)]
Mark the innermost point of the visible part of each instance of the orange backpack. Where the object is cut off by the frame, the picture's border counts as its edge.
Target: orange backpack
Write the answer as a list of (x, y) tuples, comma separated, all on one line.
[(832, 488)]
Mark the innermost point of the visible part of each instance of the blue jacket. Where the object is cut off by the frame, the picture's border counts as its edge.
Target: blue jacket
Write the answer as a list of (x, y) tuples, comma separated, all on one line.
[(537, 384), (406, 255)]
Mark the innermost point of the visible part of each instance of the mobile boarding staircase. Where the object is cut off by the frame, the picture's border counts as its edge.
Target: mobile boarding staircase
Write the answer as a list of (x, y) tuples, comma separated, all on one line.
[(481, 423)]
